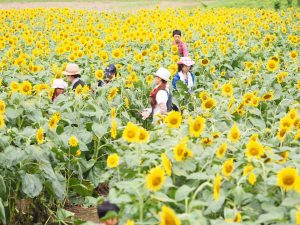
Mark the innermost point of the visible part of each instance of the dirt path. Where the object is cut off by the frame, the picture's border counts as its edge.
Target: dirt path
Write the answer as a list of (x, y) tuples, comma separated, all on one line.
[(103, 6)]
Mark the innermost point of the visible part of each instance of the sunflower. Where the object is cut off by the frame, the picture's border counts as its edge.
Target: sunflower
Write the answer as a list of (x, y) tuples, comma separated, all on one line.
[(272, 65), (281, 134), (252, 178), (2, 107), (112, 93), (131, 132), (227, 90), (53, 122), (222, 150), (78, 89), (228, 167), (129, 222), (40, 135), (155, 179), (254, 149), (203, 95), (293, 114), (173, 119), (154, 48), (298, 85), (196, 126), (117, 53), (217, 187), (112, 160), (298, 217), (294, 55), (255, 101), (126, 102), (205, 62), (208, 104), (78, 153), (2, 123), (286, 178), (247, 169), (234, 133), (168, 217), (149, 79), (99, 74), (73, 142), (14, 86), (26, 88), (174, 49), (216, 85), (268, 96), (286, 123), (143, 135), (113, 130), (181, 151), (166, 164)]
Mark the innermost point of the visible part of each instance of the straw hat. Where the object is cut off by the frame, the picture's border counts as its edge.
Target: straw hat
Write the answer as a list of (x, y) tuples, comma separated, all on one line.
[(163, 74), (186, 61), (59, 83), (72, 69)]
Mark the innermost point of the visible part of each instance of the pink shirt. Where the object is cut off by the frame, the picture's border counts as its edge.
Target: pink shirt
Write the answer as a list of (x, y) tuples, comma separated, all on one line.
[(182, 49)]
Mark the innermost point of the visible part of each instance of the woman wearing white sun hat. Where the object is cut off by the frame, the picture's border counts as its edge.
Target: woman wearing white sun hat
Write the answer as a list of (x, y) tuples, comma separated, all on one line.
[(59, 87), (159, 96), (184, 74), (72, 72)]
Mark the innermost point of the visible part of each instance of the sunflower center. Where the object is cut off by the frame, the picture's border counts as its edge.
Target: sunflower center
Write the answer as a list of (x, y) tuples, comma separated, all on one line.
[(156, 181), (130, 134), (196, 126), (174, 121), (228, 168), (288, 180), (254, 151), (208, 104)]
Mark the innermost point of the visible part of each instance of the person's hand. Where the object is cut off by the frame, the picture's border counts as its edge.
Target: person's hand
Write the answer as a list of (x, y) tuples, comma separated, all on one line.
[(146, 113)]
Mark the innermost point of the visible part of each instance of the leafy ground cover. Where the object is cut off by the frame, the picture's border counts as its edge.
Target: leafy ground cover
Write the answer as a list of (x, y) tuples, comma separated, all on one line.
[(230, 156)]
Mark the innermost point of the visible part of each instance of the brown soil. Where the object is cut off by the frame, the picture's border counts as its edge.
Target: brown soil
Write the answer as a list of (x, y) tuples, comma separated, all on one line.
[(102, 6), (86, 214)]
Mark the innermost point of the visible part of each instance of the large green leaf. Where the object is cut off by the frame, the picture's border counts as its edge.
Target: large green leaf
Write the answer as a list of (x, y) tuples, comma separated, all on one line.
[(31, 185)]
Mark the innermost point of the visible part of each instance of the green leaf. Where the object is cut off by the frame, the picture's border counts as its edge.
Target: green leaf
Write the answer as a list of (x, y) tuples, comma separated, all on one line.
[(12, 156), (162, 197), (63, 214), (31, 185), (183, 192), (99, 130), (2, 213), (2, 188)]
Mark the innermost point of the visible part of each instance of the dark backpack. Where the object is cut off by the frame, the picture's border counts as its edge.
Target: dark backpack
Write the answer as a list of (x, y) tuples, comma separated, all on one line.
[(170, 105)]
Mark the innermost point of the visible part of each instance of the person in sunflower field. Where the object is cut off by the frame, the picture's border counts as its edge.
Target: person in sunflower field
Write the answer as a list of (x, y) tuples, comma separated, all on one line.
[(182, 48), (160, 95), (59, 86), (110, 74), (184, 74), (72, 72), (108, 213)]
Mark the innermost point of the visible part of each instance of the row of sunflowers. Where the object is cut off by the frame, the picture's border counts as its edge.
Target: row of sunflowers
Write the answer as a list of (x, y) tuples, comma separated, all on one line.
[(230, 156)]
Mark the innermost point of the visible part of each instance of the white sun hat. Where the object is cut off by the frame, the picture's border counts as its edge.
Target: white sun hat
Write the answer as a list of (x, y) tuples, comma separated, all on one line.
[(186, 61), (59, 83), (71, 69), (163, 73)]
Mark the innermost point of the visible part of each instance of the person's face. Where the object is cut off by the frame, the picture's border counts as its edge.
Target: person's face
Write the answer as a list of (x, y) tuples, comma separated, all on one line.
[(113, 221), (59, 91), (158, 80), (185, 69), (70, 79), (177, 38)]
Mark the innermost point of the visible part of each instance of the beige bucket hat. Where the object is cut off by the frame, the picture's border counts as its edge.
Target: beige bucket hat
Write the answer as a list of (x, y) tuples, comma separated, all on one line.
[(163, 73), (71, 69)]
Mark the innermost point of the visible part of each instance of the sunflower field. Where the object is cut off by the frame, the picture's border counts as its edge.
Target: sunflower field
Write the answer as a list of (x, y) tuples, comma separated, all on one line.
[(230, 156)]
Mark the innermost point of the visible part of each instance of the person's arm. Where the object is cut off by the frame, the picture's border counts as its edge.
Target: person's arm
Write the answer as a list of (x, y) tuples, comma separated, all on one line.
[(174, 81), (185, 50)]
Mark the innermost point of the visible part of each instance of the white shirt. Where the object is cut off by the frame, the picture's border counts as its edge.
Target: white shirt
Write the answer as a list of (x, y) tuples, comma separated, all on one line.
[(161, 97)]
